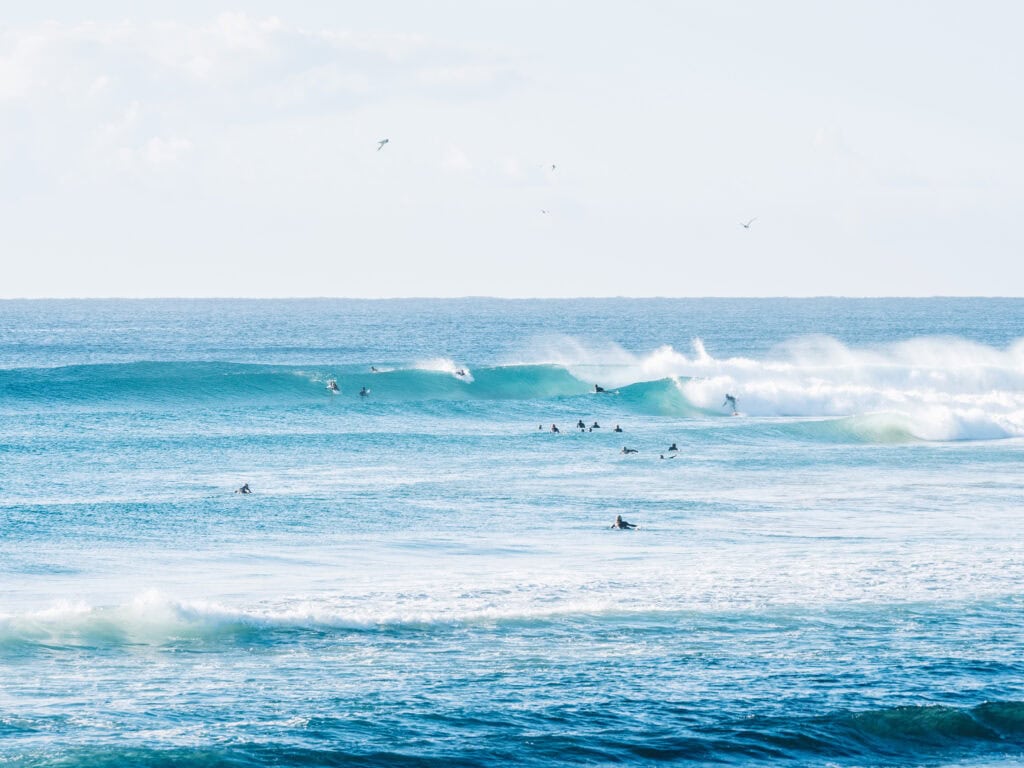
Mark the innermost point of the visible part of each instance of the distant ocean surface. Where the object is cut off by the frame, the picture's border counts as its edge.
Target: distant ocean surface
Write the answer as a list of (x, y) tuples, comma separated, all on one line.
[(426, 576)]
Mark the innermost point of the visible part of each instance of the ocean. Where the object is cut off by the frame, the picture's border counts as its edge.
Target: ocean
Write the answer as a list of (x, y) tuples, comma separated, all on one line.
[(426, 575)]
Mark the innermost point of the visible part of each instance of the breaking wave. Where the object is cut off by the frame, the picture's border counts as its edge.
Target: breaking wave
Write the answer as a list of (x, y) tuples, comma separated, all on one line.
[(926, 388), (153, 618), (934, 388)]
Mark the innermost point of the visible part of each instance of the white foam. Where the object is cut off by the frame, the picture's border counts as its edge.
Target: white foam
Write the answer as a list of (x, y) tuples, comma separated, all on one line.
[(153, 617), (445, 365), (933, 388), (695, 575)]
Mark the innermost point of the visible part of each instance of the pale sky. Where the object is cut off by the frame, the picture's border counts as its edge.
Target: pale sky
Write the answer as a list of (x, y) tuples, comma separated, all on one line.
[(191, 149)]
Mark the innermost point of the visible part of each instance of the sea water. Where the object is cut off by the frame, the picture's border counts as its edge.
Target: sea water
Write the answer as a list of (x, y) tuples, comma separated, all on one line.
[(426, 575)]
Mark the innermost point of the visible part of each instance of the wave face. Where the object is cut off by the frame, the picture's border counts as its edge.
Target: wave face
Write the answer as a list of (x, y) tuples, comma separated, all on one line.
[(929, 389), (160, 383)]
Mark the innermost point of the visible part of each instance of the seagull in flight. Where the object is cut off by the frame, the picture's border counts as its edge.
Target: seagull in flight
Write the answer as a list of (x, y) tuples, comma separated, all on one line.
[(544, 210), (381, 143), (745, 226)]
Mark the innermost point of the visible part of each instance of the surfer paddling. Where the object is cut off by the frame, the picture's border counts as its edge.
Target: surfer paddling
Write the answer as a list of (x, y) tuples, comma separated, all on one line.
[(244, 489), (621, 525)]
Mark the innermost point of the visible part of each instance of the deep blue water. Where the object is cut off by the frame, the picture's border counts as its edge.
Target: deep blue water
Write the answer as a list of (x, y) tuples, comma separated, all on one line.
[(422, 576)]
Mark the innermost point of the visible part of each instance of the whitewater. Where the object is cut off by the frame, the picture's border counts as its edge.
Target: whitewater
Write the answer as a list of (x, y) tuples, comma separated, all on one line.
[(425, 575)]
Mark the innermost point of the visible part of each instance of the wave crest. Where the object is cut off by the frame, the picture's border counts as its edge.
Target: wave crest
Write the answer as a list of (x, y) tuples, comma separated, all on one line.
[(153, 618), (926, 388)]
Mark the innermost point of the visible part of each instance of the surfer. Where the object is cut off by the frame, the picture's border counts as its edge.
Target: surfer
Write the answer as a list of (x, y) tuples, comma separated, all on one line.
[(673, 447), (731, 402), (629, 450), (580, 424), (373, 370), (598, 388), (621, 525), (364, 392), (244, 489), (332, 385), (617, 428), (460, 372), (555, 430), (595, 425), (662, 456)]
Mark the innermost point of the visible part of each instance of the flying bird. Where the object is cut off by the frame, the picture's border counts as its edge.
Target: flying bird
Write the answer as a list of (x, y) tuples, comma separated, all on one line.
[(381, 143), (544, 210), (747, 225)]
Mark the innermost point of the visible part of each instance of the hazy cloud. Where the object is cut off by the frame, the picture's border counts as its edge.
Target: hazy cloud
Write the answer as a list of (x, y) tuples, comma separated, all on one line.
[(176, 83)]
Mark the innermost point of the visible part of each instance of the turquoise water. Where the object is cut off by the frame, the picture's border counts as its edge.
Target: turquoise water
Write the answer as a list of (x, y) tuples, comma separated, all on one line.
[(423, 577)]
